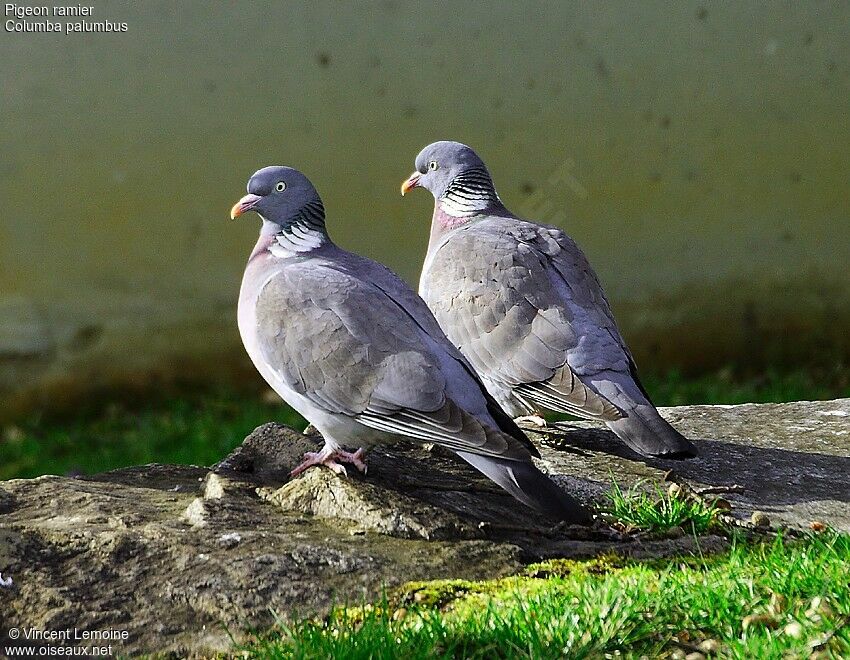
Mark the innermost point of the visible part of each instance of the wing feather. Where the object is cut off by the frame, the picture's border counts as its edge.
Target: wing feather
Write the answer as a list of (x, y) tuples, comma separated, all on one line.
[(348, 345), (522, 298)]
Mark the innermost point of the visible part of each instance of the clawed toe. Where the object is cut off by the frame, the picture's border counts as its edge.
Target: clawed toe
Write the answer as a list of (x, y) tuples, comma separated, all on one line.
[(336, 468), (310, 459), (330, 460), (356, 459)]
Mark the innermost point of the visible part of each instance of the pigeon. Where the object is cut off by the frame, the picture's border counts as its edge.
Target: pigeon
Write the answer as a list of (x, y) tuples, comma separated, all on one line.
[(524, 306), (353, 349)]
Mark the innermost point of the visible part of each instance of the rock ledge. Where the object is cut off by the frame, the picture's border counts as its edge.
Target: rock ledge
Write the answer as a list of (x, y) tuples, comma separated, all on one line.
[(174, 554)]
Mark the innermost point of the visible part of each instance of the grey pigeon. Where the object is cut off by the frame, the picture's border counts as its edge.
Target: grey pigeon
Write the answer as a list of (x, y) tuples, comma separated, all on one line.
[(355, 351), (522, 303)]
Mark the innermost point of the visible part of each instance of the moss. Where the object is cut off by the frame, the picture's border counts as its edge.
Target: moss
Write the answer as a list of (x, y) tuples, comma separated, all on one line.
[(745, 603), (565, 567), (434, 594)]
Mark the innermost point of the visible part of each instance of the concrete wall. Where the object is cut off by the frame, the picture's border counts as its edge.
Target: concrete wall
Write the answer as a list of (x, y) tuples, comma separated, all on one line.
[(698, 151)]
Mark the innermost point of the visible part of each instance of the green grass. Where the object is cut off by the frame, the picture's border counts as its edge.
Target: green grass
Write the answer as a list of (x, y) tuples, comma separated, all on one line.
[(202, 428), (199, 430), (765, 600), (730, 387), (638, 509)]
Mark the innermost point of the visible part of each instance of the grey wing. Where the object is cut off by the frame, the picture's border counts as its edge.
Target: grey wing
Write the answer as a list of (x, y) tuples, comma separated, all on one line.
[(500, 297), (345, 345)]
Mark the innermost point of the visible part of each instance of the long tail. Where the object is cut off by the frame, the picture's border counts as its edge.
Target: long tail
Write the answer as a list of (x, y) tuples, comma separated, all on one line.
[(530, 486), (645, 431), (642, 429)]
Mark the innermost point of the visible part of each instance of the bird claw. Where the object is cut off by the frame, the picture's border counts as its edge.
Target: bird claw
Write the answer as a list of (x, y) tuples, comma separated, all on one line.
[(356, 459), (534, 420), (329, 459)]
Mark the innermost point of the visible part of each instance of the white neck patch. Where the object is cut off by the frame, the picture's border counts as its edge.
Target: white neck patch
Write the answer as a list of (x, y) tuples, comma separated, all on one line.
[(296, 239), (469, 193), (303, 233), (462, 208)]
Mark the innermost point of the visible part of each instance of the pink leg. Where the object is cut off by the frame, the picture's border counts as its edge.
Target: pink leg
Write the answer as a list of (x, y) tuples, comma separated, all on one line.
[(329, 457)]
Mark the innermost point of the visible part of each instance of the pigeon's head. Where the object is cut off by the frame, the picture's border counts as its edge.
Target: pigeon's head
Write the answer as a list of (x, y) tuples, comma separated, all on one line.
[(440, 163), (278, 194)]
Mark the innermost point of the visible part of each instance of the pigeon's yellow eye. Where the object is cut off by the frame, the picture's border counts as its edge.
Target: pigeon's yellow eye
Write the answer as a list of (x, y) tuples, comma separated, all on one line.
[(280, 187), (433, 165)]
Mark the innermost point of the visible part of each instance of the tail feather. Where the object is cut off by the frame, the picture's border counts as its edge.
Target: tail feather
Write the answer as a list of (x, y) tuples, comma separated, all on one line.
[(642, 428), (530, 486), (648, 433)]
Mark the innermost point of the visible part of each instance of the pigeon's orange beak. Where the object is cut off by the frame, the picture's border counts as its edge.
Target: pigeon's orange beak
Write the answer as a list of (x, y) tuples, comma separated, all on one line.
[(245, 204), (410, 183)]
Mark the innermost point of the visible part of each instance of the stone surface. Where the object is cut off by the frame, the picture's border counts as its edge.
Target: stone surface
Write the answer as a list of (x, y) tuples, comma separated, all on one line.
[(180, 555), (792, 459)]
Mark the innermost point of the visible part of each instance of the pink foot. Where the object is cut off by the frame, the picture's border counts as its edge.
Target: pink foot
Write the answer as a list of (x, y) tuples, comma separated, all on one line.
[(329, 457)]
